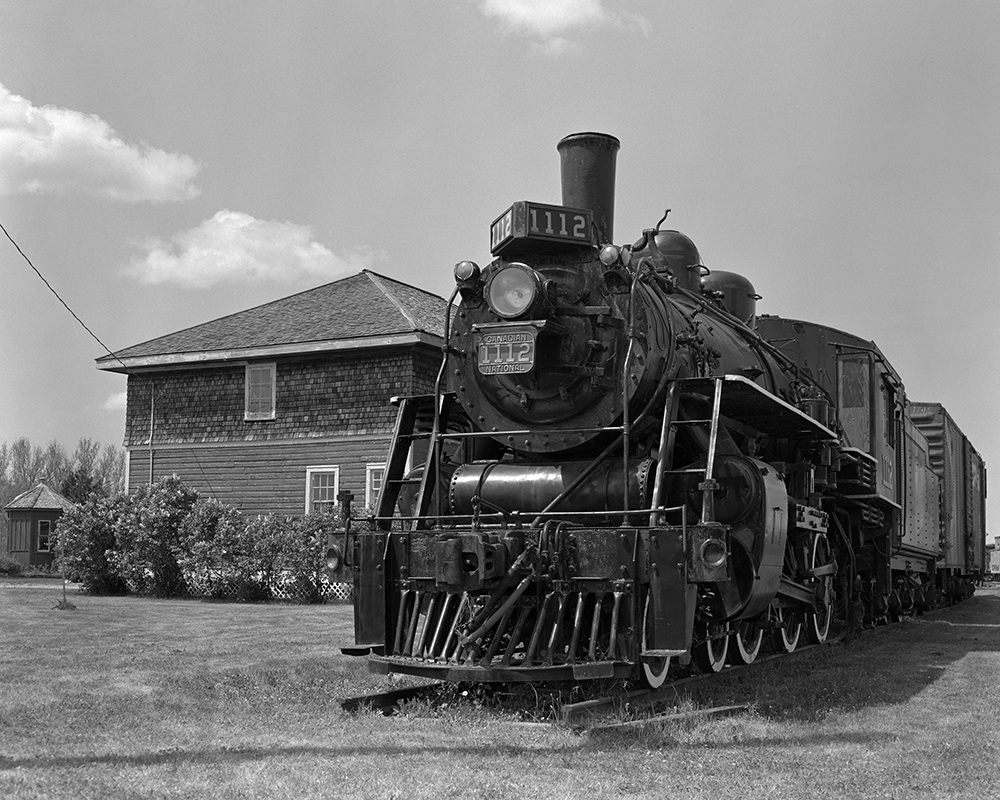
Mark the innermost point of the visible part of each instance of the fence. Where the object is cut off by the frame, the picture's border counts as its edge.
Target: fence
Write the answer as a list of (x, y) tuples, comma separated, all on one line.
[(280, 587)]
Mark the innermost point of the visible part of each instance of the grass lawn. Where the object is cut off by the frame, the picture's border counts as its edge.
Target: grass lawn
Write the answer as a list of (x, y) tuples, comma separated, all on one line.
[(130, 697)]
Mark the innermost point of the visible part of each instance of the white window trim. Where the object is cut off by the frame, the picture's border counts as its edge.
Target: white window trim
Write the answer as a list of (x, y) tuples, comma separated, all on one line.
[(257, 416), (371, 497), (48, 539), (324, 468)]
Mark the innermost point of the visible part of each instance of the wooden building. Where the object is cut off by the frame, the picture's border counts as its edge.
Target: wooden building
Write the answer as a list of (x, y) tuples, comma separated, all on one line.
[(31, 523), (277, 408)]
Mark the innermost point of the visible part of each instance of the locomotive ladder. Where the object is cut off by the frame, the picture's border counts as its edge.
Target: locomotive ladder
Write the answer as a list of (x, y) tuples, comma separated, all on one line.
[(670, 424), (411, 409)]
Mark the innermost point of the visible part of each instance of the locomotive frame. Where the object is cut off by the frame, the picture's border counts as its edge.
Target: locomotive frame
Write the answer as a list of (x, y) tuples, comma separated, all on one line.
[(622, 466)]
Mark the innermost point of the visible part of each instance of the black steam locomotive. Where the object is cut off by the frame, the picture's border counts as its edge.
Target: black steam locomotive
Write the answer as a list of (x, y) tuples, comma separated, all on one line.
[(622, 465)]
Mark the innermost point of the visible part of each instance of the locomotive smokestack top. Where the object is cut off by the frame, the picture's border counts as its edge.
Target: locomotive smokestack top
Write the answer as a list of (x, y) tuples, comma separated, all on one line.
[(588, 177)]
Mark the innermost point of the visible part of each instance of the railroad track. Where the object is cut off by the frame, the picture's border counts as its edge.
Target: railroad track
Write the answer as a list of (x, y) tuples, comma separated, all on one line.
[(586, 711), (387, 702)]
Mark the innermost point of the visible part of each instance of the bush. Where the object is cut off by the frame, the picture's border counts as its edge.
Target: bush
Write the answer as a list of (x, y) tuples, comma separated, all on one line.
[(164, 540), (305, 555), (8, 566), (225, 555), (148, 538), (46, 570), (86, 542), (208, 536)]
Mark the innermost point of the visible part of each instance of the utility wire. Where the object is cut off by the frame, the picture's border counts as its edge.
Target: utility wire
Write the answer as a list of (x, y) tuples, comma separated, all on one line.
[(83, 324), (96, 339)]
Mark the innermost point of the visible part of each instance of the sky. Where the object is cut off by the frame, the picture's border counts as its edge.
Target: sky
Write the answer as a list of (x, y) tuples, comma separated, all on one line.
[(167, 162)]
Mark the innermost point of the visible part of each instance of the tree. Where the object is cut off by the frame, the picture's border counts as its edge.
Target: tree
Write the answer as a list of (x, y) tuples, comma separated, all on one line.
[(55, 464), (27, 465), (6, 490), (79, 486), (95, 472), (109, 471), (85, 455)]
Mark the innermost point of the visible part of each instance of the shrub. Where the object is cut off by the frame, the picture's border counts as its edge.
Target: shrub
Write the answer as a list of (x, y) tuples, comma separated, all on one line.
[(85, 544), (164, 540), (258, 556), (148, 538), (305, 554), (47, 570), (208, 536), (8, 566)]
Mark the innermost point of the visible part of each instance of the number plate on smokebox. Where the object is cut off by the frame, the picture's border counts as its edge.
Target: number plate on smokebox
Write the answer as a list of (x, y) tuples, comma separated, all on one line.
[(511, 350)]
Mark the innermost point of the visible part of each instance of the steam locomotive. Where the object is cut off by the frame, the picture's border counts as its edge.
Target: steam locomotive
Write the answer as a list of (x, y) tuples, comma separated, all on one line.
[(621, 465)]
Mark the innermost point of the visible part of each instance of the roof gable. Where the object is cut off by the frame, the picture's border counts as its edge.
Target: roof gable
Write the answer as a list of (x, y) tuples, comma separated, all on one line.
[(362, 306), (40, 497)]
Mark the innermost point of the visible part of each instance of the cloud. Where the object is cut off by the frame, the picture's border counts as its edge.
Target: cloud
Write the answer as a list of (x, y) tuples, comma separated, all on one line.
[(232, 246), (49, 150), (116, 402), (549, 22)]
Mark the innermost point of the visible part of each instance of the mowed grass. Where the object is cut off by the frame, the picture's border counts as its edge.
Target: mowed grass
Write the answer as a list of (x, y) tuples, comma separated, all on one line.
[(130, 697)]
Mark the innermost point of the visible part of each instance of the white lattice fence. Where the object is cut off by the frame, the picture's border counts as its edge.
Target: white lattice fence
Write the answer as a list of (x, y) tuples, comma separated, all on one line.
[(279, 588)]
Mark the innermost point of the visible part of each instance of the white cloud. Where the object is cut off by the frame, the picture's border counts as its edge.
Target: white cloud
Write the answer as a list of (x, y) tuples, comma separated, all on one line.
[(550, 22), (49, 150), (116, 402), (232, 246)]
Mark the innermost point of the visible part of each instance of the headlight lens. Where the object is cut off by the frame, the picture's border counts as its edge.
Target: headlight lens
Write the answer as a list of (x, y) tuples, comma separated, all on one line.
[(334, 558), (466, 271), (713, 553), (512, 291)]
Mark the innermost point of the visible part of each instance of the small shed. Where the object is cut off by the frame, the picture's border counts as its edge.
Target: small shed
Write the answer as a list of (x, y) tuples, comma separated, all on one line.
[(31, 520)]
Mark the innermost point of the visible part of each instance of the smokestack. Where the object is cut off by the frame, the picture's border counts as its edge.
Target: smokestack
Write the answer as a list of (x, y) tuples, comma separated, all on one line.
[(588, 177)]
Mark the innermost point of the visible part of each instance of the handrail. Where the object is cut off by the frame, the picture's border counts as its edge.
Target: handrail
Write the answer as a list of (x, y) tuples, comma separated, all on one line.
[(710, 484), (526, 432), (505, 518)]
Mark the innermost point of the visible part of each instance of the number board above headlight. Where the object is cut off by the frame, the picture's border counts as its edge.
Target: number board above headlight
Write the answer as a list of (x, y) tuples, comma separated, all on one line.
[(527, 226)]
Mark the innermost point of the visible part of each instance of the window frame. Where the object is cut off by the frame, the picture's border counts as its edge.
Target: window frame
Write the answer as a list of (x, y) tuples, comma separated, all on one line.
[(48, 537), (371, 497), (256, 416), (321, 469)]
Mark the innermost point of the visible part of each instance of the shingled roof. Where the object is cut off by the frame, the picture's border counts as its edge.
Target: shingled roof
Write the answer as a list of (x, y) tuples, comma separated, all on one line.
[(363, 310), (41, 497)]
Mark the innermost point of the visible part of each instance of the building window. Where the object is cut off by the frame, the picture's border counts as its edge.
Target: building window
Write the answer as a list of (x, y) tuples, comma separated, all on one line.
[(322, 485), (44, 532), (373, 484), (260, 384)]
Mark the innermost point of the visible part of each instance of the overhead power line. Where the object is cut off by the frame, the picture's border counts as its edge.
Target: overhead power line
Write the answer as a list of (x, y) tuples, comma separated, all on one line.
[(97, 339), (65, 305)]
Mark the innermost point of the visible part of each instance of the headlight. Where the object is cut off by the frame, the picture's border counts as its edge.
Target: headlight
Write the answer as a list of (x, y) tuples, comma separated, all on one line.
[(513, 290), (334, 558), (466, 272), (713, 553)]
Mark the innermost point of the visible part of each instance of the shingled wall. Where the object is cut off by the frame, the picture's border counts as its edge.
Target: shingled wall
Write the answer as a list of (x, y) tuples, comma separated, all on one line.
[(331, 409), (331, 395)]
